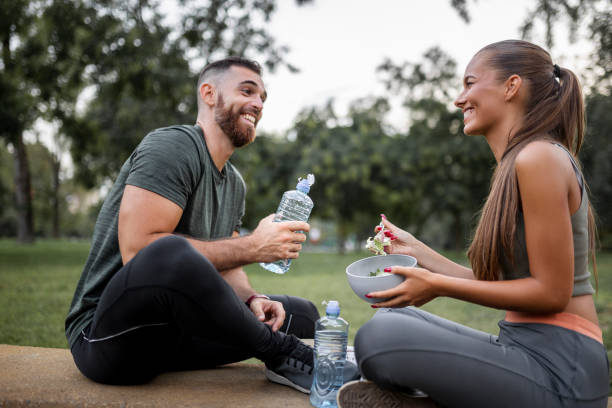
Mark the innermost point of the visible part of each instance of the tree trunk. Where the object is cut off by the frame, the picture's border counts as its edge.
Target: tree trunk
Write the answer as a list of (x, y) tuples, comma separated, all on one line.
[(23, 193), (459, 238), (56, 186), (340, 235)]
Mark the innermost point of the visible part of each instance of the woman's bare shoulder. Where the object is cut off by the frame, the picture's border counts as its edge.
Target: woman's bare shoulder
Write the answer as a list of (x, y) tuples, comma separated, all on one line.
[(541, 154), (544, 171)]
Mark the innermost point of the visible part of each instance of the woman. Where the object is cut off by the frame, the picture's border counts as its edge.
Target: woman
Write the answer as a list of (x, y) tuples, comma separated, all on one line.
[(528, 256)]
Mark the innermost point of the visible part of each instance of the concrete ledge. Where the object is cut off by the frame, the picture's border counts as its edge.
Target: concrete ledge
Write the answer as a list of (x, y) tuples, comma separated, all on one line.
[(45, 377)]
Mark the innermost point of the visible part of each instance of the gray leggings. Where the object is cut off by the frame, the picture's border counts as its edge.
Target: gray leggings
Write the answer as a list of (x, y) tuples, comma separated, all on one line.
[(527, 365)]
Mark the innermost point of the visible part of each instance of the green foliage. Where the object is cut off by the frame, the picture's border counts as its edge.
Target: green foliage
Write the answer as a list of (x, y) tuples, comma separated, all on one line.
[(136, 63), (143, 84), (8, 227), (143, 74), (139, 72), (215, 28), (268, 171), (46, 48), (41, 168), (600, 29), (596, 157), (349, 163)]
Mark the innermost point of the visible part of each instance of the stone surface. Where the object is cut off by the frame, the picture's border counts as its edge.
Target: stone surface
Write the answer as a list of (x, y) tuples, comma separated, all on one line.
[(46, 377)]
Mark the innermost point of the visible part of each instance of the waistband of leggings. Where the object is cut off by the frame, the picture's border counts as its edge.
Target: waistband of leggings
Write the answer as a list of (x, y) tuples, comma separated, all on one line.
[(566, 320)]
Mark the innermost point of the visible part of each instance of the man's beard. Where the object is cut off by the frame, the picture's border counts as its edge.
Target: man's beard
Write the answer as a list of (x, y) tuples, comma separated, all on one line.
[(228, 122)]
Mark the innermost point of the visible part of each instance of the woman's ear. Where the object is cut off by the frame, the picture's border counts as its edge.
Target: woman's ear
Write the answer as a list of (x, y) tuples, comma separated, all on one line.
[(207, 93), (512, 87)]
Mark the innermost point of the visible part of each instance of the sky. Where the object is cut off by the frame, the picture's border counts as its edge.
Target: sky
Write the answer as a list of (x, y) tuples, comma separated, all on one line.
[(337, 45)]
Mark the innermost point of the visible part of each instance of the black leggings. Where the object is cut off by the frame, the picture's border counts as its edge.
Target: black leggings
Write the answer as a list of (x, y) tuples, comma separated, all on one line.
[(169, 309)]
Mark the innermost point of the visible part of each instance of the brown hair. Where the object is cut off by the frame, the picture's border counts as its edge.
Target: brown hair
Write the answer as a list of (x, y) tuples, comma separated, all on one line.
[(554, 111)]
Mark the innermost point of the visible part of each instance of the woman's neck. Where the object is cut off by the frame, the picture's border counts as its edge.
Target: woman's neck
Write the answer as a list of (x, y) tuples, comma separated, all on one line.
[(499, 136)]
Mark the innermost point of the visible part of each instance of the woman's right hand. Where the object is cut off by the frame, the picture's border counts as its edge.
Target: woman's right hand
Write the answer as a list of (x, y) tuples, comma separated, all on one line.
[(404, 243)]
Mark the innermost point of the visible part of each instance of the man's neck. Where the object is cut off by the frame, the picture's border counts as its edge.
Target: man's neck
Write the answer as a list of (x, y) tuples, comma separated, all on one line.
[(218, 144)]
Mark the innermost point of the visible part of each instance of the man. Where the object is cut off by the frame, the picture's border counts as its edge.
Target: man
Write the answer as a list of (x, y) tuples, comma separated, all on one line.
[(163, 288)]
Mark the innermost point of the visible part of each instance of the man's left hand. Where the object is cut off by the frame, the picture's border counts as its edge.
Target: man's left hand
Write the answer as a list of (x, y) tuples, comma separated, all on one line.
[(269, 312)]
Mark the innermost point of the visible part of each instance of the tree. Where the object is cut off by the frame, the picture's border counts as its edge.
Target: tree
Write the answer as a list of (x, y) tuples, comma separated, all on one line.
[(52, 49), (145, 78), (142, 82), (447, 172), (267, 166), (348, 159), (8, 227), (47, 200), (46, 47), (45, 195), (596, 18), (596, 157)]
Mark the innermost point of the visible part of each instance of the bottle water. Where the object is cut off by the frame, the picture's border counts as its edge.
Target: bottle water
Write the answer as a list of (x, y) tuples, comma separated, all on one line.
[(294, 206), (331, 338)]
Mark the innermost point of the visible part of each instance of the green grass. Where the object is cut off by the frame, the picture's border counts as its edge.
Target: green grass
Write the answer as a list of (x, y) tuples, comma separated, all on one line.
[(37, 283), (36, 286)]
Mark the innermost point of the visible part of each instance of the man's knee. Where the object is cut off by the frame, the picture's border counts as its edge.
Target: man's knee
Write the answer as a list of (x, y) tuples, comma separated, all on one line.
[(168, 245), (172, 260), (301, 315)]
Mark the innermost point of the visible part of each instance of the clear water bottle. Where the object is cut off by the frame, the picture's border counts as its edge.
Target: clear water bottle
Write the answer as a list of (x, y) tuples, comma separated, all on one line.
[(331, 338), (294, 206)]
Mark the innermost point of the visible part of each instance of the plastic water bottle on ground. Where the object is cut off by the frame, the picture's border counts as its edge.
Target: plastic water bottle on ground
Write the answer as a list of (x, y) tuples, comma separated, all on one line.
[(294, 206), (330, 344)]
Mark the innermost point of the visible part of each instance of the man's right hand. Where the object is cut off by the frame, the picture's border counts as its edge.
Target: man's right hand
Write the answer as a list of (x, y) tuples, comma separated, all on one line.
[(272, 241)]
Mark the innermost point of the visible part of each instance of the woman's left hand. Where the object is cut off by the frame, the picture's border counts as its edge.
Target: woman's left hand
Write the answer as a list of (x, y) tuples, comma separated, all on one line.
[(416, 290)]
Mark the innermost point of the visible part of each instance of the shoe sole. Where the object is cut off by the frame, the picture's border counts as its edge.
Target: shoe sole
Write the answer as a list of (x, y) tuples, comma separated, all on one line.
[(366, 394), (279, 379)]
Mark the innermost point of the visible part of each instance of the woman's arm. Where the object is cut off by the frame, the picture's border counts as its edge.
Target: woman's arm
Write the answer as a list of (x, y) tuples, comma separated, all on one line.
[(406, 244)]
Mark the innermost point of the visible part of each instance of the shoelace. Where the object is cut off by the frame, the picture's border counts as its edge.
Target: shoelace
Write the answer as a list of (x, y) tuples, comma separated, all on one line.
[(295, 364)]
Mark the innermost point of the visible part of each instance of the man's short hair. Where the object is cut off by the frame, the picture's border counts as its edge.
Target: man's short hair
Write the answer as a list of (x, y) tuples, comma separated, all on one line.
[(223, 65)]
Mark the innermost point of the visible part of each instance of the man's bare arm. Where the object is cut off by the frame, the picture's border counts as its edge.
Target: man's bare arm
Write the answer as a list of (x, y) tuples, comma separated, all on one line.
[(145, 216)]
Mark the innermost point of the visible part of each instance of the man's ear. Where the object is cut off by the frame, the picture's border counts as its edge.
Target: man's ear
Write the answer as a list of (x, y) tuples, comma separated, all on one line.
[(208, 93), (512, 86)]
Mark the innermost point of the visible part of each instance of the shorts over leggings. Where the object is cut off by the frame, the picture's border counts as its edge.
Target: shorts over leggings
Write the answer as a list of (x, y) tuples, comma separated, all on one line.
[(169, 309), (527, 365)]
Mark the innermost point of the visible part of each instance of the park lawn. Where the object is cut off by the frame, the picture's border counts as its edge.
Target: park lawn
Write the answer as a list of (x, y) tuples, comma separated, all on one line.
[(37, 283)]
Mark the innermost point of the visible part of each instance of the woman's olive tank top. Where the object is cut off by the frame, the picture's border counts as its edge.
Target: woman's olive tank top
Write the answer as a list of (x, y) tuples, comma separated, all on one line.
[(580, 230)]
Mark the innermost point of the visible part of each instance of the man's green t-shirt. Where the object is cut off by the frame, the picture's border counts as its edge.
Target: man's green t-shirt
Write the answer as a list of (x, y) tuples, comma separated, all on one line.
[(173, 162)]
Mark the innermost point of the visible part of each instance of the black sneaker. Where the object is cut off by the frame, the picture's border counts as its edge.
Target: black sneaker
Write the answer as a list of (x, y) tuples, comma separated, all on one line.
[(293, 366)]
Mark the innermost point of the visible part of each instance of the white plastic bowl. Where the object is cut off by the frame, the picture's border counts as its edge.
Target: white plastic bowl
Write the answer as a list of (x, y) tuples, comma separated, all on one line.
[(358, 274)]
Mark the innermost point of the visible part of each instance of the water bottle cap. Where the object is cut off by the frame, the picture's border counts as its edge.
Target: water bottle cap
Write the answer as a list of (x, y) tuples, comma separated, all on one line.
[(333, 308), (303, 185)]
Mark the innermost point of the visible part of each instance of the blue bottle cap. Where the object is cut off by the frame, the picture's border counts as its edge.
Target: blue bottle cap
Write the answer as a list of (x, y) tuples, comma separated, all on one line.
[(303, 186), (333, 308)]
